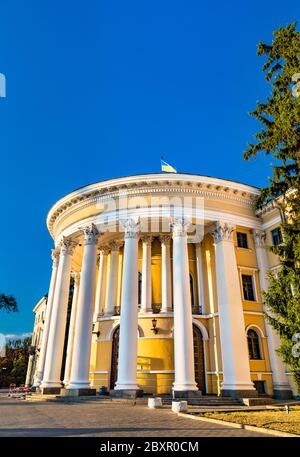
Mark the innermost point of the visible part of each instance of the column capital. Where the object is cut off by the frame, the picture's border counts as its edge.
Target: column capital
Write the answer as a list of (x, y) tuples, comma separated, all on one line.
[(115, 245), (165, 239), (223, 231), (103, 250), (67, 246), (180, 226), (55, 257), (259, 237), (91, 234), (131, 228), (147, 239)]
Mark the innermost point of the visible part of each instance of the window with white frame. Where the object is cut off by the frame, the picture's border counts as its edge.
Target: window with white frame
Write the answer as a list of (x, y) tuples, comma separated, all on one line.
[(248, 287)]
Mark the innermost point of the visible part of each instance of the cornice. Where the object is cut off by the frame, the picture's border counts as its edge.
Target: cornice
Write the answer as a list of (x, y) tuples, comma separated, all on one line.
[(95, 194)]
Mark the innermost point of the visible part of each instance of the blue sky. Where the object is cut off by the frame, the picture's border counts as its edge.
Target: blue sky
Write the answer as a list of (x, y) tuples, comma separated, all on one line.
[(99, 89)]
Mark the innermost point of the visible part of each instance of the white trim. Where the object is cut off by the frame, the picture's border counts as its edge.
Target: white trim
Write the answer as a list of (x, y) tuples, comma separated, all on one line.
[(202, 329), (150, 315), (113, 328), (261, 372), (149, 178), (165, 337), (260, 335), (99, 372), (255, 327), (205, 337), (191, 275), (156, 371), (276, 220), (115, 216), (256, 313), (245, 268), (248, 272)]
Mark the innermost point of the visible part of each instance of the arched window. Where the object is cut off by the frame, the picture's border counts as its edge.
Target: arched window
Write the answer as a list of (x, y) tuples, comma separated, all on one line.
[(253, 345), (140, 288), (192, 291)]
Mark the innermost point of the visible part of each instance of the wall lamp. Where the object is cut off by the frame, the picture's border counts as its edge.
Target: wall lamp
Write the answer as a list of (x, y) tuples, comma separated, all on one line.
[(154, 328)]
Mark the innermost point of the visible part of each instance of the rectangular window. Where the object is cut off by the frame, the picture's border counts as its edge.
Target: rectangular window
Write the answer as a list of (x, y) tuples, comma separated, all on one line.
[(276, 236), (248, 289), (242, 240)]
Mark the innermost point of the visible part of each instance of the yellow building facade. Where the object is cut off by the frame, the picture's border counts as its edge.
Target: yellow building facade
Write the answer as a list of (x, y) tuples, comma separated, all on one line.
[(168, 273)]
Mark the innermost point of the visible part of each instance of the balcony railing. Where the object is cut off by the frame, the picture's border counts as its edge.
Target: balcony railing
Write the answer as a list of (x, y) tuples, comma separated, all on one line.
[(156, 308)]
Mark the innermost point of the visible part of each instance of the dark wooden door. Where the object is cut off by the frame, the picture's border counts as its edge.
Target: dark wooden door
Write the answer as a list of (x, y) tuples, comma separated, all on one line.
[(114, 358), (199, 359)]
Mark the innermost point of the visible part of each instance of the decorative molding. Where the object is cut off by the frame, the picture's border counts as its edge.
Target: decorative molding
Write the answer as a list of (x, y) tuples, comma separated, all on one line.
[(223, 232), (165, 239), (103, 250), (115, 216), (133, 186), (255, 327), (157, 371), (276, 220), (147, 239), (55, 257), (259, 237), (202, 329), (67, 246), (115, 245), (131, 228), (180, 226), (91, 234)]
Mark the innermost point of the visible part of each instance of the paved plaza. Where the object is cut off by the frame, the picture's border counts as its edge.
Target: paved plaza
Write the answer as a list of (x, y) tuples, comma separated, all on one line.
[(102, 419)]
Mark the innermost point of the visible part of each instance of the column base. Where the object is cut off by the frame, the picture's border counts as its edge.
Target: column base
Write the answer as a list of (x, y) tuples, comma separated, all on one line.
[(49, 390), (239, 393), (126, 393), (82, 392), (39, 379), (282, 394), (187, 394)]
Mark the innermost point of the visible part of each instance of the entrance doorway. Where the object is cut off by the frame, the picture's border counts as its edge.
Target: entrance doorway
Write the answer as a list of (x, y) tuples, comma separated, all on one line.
[(114, 358), (199, 359)]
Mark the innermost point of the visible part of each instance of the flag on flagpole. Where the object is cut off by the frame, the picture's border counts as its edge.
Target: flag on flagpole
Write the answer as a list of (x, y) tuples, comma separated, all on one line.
[(166, 167)]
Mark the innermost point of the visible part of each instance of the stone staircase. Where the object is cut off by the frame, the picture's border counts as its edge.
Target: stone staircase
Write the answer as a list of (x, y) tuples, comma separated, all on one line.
[(35, 397), (205, 400)]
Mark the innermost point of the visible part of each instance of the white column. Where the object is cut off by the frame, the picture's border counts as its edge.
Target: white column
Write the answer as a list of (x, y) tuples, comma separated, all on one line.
[(55, 346), (79, 378), (112, 285), (101, 283), (29, 373), (127, 367), (199, 265), (281, 385), (183, 325), (166, 286), (76, 277), (146, 305), (45, 335), (236, 369)]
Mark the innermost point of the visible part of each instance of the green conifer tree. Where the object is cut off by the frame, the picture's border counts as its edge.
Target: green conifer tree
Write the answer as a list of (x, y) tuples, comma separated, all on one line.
[(280, 138)]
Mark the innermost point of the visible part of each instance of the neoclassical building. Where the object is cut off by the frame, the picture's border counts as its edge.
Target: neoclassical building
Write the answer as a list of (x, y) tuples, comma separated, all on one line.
[(156, 287)]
